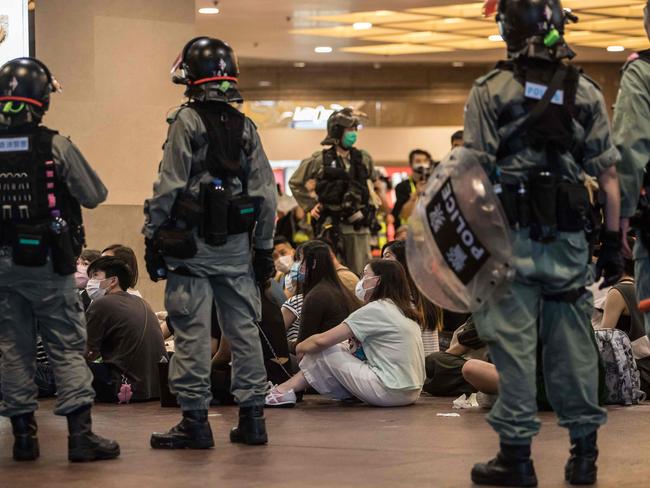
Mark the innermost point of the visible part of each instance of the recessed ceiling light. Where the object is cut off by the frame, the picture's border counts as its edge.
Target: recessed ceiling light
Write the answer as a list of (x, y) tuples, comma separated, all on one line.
[(209, 10), (323, 49), (362, 25), (495, 38), (615, 49), (299, 64), (264, 83), (458, 64)]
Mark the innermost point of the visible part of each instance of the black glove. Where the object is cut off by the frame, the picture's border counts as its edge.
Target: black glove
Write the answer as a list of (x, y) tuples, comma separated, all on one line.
[(154, 260), (263, 265), (610, 260)]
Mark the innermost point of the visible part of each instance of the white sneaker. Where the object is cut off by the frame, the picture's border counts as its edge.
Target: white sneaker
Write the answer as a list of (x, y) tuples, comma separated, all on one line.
[(275, 398)]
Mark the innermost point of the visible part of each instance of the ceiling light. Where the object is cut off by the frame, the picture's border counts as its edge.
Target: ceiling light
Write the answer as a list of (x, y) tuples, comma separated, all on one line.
[(323, 49), (362, 25), (264, 83), (458, 64), (495, 38), (299, 64), (209, 10), (615, 49)]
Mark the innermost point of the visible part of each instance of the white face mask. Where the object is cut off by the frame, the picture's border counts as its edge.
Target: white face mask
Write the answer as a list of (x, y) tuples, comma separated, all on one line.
[(283, 263), (94, 289), (362, 292)]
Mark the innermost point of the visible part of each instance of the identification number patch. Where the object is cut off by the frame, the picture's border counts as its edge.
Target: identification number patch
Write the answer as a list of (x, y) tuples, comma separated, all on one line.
[(536, 92), (13, 144)]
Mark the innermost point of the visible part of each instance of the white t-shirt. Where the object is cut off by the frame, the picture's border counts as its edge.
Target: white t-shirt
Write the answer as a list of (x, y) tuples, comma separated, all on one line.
[(392, 343)]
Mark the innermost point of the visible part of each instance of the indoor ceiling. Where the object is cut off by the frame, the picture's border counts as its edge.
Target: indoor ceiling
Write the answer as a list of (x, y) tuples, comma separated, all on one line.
[(380, 31)]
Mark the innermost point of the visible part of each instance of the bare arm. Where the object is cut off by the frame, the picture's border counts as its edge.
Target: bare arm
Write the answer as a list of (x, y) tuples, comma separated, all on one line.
[(614, 308), (608, 182), (319, 342)]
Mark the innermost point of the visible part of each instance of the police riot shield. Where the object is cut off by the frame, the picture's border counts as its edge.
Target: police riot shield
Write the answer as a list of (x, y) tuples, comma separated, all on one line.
[(459, 248)]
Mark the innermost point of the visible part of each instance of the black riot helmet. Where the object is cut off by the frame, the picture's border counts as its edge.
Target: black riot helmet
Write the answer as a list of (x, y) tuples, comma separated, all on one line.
[(529, 26), (206, 60), (338, 121), (26, 83)]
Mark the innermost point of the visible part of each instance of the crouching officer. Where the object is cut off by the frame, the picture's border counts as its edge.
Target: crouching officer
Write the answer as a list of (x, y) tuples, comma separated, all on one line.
[(43, 180), (342, 209), (631, 130), (540, 124), (215, 194)]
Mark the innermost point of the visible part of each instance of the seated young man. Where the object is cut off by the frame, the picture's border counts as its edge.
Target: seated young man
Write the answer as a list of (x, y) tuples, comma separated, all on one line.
[(123, 331)]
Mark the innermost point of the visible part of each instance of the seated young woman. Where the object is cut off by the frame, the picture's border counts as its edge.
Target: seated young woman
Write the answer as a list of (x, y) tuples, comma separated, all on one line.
[(431, 314), (326, 302), (382, 362)]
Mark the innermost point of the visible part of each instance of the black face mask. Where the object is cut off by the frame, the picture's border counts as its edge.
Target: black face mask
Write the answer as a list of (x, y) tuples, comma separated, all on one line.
[(423, 172)]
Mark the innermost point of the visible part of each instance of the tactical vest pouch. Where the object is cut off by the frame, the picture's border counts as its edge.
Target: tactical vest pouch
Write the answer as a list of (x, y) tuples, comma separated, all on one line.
[(63, 254), (332, 186), (176, 243), (215, 204), (242, 214), (572, 207), (30, 247), (188, 209), (543, 189)]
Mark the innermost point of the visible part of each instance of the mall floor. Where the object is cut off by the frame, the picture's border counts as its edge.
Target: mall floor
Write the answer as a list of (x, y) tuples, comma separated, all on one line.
[(319, 444)]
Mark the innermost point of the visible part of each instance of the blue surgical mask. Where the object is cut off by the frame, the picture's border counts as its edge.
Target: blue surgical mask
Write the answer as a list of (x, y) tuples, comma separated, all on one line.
[(295, 273)]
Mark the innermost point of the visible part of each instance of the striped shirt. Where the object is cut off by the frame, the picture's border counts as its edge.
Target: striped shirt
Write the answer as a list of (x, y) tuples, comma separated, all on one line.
[(294, 305), (430, 341)]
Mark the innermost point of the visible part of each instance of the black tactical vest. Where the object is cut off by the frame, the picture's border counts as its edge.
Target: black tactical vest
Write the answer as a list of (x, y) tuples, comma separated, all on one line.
[(336, 181), (30, 188), (225, 131), (553, 131)]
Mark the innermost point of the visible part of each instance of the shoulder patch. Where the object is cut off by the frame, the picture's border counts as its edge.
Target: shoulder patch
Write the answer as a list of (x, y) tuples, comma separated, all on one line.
[(591, 80), (483, 79)]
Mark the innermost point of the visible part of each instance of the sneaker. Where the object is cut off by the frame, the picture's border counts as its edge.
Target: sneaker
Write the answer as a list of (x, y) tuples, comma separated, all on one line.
[(486, 400), (275, 398)]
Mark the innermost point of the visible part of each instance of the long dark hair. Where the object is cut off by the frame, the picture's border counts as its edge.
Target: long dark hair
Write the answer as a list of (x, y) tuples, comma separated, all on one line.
[(319, 268), (431, 313), (393, 285)]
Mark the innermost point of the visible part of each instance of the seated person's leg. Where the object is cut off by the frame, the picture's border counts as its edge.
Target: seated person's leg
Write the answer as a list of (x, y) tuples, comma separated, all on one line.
[(482, 375), (106, 382)]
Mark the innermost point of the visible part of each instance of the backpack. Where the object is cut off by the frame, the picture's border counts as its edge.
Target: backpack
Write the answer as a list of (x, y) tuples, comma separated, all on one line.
[(621, 373)]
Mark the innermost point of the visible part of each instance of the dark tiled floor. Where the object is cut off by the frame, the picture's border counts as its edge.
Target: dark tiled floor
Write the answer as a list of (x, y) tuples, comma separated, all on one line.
[(319, 444)]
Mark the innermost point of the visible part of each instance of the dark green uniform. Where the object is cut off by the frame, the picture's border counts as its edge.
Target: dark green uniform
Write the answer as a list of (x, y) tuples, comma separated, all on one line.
[(221, 274), (512, 325), (37, 300)]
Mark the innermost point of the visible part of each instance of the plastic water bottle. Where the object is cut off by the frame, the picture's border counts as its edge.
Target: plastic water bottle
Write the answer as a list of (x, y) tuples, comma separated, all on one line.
[(58, 226)]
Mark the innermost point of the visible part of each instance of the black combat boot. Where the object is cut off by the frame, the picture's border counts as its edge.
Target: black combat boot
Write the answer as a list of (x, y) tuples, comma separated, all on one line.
[(25, 440), (192, 432), (83, 444), (252, 427), (581, 468), (511, 467)]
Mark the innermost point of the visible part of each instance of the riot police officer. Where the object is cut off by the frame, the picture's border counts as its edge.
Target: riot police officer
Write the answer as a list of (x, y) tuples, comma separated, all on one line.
[(631, 131), (43, 180), (541, 124), (215, 195), (342, 209)]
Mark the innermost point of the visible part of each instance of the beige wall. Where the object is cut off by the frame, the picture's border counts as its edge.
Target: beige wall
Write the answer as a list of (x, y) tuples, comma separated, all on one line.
[(113, 59)]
